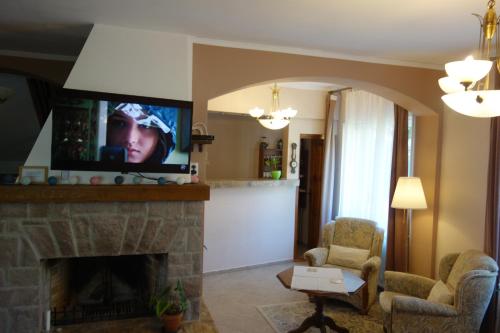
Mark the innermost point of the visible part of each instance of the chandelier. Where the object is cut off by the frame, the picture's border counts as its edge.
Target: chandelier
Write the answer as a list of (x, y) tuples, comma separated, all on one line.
[(277, 118), (467, 85)]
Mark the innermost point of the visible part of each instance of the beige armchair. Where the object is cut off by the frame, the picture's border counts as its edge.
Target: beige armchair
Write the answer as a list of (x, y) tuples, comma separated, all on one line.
[(455, 303), (356, 234)]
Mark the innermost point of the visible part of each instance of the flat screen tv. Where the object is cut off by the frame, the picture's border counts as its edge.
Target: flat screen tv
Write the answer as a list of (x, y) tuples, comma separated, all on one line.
[(97, 131)]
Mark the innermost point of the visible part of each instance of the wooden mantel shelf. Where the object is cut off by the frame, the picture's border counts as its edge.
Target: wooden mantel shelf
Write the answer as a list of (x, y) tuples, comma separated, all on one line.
[(103, 193)]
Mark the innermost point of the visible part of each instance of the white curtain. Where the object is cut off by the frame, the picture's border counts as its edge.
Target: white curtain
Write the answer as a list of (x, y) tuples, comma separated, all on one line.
[(366, 155), (329, 159)]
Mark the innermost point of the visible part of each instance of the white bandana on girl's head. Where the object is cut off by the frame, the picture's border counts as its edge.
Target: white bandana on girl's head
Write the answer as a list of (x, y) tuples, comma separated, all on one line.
[(135, 111)]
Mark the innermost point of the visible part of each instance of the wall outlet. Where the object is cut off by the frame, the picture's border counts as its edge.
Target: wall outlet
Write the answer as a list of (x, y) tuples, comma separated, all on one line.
[(193, 169)]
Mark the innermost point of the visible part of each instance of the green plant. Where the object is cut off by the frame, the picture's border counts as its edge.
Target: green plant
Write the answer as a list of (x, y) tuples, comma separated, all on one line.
[(170, 301), (273, 162)]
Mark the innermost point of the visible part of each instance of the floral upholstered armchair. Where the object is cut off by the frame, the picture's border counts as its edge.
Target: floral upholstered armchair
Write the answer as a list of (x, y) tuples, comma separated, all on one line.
[(456, 303), (355, 245)]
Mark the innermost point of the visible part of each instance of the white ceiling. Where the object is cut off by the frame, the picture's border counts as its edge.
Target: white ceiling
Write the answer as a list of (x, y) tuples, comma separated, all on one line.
[(425, 32)]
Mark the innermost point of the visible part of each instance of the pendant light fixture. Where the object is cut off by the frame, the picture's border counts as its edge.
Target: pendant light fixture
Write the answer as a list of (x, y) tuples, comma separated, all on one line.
[(467, 86), (277, 118)]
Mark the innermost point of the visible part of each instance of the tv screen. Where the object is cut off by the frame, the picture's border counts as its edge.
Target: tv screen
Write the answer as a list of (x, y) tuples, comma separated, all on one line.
[(96, 131)]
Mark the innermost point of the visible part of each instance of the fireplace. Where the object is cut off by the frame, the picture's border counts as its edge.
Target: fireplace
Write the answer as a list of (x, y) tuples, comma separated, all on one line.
[(42, 244), (91, 289)]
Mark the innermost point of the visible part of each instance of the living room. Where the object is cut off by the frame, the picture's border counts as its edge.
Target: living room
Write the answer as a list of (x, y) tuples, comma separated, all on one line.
[(451, 153)]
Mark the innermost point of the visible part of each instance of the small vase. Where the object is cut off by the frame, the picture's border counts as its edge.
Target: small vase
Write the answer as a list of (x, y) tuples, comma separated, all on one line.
[(172, 323), (276, 174)]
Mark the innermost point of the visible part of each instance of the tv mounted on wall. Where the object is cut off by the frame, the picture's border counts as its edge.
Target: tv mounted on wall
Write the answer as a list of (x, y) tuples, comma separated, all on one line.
[(97, 131)]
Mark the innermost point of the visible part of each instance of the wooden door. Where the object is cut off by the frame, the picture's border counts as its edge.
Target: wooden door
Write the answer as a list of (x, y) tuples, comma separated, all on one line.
[(316, 179)]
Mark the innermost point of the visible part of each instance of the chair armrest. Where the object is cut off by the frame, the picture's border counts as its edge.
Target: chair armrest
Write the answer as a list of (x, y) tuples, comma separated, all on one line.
[(408, 284), (316, 256), (417, 306), (371, 265)]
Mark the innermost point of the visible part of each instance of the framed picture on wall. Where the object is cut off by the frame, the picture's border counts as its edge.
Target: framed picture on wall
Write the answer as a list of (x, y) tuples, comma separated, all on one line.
[(37, 174)]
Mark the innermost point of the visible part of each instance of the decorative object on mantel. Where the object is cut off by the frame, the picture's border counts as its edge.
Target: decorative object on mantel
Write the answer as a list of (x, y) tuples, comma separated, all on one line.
[(276, 118), (36, 174), (468, 87), (180, 181), (293, 162), (137, 180), (73, 180), (52, 180), (161, 181), (200, 136), (119, 180), (95, 180), (25, 180)]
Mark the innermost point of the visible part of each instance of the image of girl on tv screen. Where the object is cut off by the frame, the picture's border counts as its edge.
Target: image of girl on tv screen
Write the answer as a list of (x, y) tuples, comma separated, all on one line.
[(144, 133)]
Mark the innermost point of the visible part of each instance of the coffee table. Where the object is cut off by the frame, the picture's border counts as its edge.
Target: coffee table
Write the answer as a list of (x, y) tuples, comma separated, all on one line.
[(318, 319)]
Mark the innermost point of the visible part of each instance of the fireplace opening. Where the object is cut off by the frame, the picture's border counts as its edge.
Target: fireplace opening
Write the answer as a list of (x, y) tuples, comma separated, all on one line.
[(104, 288)]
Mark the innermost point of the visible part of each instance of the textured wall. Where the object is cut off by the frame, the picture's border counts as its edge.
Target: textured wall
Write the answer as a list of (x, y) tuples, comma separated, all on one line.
[(30, 233)]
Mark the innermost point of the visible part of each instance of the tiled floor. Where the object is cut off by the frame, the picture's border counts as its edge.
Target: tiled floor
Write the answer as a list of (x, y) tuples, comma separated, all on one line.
[(232, 297)]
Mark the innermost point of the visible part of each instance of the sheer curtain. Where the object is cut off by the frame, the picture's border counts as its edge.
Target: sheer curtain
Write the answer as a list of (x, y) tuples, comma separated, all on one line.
[(366, 156)]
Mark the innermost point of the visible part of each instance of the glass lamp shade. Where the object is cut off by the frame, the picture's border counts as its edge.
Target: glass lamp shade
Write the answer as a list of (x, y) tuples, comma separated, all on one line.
[(256, 112), (468, 70), (273, 123), (481, 103), (448, 85), (289, 112), (409, 194)]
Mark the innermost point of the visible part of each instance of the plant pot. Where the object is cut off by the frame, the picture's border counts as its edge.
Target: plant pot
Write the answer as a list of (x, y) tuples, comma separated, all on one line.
[(172, 323), (276, 174)]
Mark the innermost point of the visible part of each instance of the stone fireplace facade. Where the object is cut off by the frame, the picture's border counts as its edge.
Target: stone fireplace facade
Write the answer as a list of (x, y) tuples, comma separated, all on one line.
[(31, 233)]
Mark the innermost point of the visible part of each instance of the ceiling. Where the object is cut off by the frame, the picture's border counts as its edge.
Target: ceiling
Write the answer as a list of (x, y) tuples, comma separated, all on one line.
[(425, 33)]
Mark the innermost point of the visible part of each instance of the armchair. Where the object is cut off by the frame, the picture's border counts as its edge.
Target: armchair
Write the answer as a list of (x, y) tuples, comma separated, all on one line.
[(356, 234), (456, 303)]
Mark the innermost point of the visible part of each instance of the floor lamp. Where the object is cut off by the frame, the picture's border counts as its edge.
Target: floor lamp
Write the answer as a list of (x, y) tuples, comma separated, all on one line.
[(409, 194)]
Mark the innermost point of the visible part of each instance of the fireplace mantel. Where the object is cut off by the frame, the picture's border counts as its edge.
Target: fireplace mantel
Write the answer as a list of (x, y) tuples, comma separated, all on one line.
[(103, 193)]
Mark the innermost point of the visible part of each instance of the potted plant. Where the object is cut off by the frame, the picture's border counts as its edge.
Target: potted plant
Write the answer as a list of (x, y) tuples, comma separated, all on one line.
[(169, 306), (274, 163)]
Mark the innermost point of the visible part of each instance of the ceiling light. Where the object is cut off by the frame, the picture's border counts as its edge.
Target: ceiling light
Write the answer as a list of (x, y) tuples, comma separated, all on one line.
[(277, 118), (467, 85)]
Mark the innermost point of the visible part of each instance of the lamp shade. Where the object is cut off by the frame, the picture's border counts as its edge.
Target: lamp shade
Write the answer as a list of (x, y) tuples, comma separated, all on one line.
[(475, 103), (468, 70), (409, 194)]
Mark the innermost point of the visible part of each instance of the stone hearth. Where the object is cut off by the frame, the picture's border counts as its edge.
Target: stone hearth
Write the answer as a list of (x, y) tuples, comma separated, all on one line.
[(31, 233)]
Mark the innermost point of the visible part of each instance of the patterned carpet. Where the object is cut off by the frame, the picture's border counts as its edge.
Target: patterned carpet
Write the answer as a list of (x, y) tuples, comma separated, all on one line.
[(287, 316)]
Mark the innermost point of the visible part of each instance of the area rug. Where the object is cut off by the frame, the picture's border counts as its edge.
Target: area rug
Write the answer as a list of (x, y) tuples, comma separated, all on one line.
[(287, 316)]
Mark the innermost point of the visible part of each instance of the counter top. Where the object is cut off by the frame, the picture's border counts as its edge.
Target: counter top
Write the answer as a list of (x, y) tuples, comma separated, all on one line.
[(231, 183)]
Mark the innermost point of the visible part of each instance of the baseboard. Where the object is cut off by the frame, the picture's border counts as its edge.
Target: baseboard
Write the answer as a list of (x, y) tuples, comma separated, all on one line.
[(249, 267)]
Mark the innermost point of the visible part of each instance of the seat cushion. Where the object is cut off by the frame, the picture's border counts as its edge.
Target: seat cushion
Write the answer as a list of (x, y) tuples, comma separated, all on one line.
[(441, 293), (385, 300), (347, 256)]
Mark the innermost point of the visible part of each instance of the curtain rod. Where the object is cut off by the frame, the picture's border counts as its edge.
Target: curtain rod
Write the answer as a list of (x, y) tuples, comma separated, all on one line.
[(339, 90)]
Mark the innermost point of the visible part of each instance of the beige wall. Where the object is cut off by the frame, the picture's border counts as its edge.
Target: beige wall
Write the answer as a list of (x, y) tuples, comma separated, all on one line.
[(310, 119), (424, 222), (463, 183), (310, 104), (221, 70), (234, 154)]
